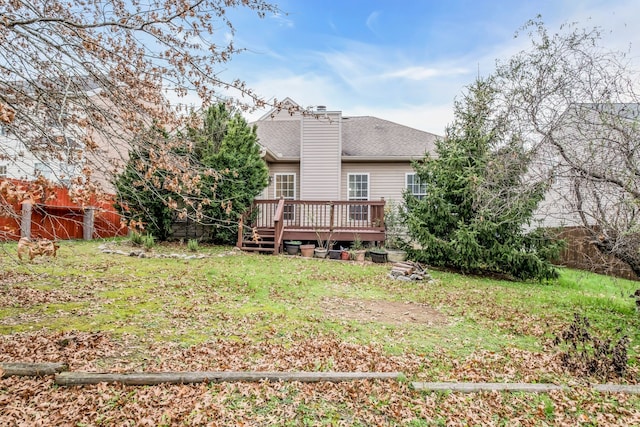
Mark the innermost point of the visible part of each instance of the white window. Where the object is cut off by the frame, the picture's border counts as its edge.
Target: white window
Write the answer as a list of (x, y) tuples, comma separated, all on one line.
[(40, 169), (415, 187), (358, 190), (3, 171), (285, 187)]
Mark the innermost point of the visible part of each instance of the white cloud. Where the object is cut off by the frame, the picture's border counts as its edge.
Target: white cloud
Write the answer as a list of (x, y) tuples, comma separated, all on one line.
[(424, 73), (307, 90), (372, 21), (311, 89), (282, 20)]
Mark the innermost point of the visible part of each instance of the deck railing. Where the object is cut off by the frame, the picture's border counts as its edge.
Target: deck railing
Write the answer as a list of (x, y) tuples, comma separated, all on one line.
[(316, 217), (320, 214)]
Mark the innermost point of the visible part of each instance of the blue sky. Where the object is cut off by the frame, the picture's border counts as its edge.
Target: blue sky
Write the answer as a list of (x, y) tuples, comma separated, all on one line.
[(402, 60)]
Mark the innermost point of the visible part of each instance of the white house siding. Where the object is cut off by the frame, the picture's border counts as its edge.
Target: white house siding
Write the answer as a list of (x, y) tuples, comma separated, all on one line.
[(386, 180), (588, 141), (320, 153), (21, 163), (556, 209)]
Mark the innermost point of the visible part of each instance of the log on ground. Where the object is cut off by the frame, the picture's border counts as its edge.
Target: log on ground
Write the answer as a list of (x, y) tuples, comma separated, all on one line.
[(478, 387), (151, 378), (519, 387), (22, 369)]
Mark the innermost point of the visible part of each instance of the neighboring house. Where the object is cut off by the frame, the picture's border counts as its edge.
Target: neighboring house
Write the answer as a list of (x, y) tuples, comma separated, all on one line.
[(59, 142), (592, 160), (17, 161), (600, 140), (54, 152), (335, 172), (324, 155)]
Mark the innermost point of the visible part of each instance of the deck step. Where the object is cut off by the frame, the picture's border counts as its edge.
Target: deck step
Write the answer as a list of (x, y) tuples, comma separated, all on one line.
[(252, 244), (264, 243), (255, 249)]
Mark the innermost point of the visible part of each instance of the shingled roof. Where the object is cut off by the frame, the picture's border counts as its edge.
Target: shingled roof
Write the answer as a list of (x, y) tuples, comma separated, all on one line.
[(281, 137), (363, 137), (368, 136)]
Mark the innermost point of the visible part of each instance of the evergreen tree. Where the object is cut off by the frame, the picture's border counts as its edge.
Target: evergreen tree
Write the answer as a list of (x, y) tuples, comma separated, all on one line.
[(479, 204), (227, 146), (211, 180), (141, 197)]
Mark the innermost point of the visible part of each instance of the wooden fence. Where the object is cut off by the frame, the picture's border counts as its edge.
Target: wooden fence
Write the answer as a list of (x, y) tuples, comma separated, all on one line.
[(34, 209), (580, 253)]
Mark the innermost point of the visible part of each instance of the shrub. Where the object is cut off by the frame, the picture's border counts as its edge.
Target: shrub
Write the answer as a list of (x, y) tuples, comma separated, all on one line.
[(479, 201), (192, 245), (136, 238), (588, 354), (148, 241)]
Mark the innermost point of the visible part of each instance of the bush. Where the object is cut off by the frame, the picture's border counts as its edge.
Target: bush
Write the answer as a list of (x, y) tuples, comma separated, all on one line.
[(148, 241), (588, 354), (192, 245), (136, 238), (142, 198), (478, 199)]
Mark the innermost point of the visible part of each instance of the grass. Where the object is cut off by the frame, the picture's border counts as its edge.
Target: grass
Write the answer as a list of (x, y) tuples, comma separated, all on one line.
[(233, 311), (145, 297)]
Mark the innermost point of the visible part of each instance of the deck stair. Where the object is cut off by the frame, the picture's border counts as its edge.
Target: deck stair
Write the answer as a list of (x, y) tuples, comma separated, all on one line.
[(259, 240)]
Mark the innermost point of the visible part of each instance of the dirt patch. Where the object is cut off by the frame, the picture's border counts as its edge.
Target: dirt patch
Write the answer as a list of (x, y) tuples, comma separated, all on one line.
[(383, 311)]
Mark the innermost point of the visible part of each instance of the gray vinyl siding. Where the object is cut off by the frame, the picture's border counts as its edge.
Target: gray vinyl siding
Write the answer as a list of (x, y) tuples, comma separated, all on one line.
[(320, 153), (386, 180)]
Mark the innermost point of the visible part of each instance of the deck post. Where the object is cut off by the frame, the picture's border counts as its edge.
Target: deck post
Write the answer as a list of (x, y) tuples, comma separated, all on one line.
[(88, 222), (331, 216), (25, 222), (278, 223), (240, 231)]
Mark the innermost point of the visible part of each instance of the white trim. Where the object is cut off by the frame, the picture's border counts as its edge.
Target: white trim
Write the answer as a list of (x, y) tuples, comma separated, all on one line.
[(359, 214), (368, 175), (406, 184), (275, 184), (274, 110)]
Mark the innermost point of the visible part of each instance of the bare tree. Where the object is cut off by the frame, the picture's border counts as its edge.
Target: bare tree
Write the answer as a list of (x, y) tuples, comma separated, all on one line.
[(577, 104), (79, 80)]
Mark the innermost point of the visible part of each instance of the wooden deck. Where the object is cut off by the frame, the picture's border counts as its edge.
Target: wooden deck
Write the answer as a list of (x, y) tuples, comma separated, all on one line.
[(271, 222)]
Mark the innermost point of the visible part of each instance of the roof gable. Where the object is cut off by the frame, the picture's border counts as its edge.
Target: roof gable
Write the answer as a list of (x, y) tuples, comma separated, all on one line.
[(285, 107), (363, 137)]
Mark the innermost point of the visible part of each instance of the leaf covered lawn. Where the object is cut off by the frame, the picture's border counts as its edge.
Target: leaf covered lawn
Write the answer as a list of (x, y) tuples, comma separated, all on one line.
[(27, 401), (245, 313)]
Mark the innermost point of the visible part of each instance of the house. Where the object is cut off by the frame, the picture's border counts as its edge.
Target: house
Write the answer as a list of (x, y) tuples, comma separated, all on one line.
[(591, 157), (48, 148), (324, 155), (51, 142), (335, 172), (19, 161)]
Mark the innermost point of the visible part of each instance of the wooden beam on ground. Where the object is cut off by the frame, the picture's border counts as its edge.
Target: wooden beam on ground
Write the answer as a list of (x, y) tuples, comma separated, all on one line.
[(150, 378), (518, 387), (477, 387), (31, 369), (617, 388)]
